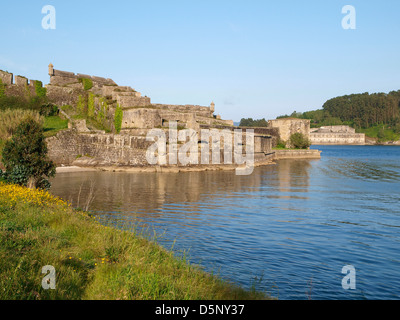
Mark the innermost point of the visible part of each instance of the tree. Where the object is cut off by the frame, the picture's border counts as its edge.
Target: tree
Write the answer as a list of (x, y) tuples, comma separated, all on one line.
[(25, 157)]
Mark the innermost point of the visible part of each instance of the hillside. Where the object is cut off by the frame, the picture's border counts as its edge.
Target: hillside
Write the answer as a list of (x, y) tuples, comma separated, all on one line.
[(376, 114)]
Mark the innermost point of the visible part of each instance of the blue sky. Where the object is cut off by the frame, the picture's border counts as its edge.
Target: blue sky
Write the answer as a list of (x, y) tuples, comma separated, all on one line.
[(256, 59)]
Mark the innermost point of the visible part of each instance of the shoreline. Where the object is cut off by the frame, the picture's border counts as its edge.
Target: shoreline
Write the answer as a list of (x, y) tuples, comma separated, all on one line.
[(156, 169)]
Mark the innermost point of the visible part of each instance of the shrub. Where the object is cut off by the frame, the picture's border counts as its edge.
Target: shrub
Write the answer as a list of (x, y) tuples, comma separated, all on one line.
[(299, 141), (118, 119), (25, 156), (48, 110)]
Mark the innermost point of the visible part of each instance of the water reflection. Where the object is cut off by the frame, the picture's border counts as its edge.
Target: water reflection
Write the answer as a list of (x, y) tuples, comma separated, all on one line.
[(149, 192), (290, 222)]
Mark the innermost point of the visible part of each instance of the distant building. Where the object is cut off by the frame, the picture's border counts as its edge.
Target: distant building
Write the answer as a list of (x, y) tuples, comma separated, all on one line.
[(289, 126), (336, 135)]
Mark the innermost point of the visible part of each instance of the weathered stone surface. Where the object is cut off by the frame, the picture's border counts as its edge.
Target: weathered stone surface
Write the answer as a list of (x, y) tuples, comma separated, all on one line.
[(6, 77), (297, 154), (141, 118), (21, 81), (128, 101), (109, 149), (63, 95), (69, 146)]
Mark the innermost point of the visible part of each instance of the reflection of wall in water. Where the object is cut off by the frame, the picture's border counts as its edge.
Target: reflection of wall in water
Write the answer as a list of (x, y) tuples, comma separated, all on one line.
[(148, 192), (293, 175)]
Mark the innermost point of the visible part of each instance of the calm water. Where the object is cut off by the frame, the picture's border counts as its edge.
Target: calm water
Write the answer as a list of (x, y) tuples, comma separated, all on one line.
[(292, 226)]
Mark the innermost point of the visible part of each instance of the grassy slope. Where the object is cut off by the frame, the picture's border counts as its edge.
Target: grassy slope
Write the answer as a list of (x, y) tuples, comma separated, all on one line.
[(91, 261), (54, 124)]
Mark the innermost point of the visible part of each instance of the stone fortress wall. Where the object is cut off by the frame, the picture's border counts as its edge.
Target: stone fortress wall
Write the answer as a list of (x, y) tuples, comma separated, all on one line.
[(18, 85), (82, 146), (336, 135)]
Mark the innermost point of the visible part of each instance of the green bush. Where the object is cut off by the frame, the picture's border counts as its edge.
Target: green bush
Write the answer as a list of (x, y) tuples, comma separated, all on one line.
[(299, 141), (49, 110), (118, 119), (25, 156)]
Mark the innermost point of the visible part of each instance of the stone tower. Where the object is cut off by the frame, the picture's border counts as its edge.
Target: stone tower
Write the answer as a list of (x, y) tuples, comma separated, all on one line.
[(51, 70), (212, 107)]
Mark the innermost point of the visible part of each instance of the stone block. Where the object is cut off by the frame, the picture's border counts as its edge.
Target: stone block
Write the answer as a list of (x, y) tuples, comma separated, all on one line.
[(21, 81)]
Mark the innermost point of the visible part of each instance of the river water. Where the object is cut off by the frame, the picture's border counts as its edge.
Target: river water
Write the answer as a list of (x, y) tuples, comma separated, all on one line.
[(287, 229)]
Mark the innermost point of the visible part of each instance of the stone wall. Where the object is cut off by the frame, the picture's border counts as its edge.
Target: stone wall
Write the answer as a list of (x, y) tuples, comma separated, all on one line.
[(62, 78), (297, 154), (200, 111), (107, 149), (17, 86), (289, 126), (124, 150)]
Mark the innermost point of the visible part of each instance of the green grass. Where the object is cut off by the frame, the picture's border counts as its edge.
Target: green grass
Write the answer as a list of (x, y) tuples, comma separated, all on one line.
[(54, 124), (93, 261)]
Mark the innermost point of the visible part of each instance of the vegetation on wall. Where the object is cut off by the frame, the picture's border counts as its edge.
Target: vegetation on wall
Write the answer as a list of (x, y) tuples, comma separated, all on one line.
[(90, 105), (118, 119), (39, 89), (87, 83), (81, 106)]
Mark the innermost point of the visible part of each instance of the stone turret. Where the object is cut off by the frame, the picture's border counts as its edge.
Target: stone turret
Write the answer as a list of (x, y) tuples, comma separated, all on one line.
[(212, 107), (51, 70)]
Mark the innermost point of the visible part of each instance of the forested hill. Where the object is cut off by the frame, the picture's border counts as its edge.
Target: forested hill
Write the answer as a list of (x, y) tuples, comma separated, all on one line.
[(365, 110), (361, 110)]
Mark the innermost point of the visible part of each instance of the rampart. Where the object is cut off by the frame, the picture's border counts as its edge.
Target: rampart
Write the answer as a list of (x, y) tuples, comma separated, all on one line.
[(18, 85), (120, 150)]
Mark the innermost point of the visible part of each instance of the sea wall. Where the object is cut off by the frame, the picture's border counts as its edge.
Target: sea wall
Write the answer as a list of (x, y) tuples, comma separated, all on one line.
[(297, 154), (100, 149)]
